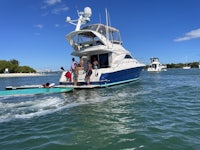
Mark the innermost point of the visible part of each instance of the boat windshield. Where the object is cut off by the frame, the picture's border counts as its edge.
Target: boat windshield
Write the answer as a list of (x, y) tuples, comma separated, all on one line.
[(113, 34), (154, 60), (86, 39)]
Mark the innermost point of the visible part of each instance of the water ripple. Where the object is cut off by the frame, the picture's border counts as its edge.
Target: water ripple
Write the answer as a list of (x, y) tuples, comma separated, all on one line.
[(161, 111)]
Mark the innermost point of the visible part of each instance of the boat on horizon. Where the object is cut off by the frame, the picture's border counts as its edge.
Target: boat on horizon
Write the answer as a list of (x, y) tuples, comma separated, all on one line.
[(156, 66), (186, 67), (116, 64)]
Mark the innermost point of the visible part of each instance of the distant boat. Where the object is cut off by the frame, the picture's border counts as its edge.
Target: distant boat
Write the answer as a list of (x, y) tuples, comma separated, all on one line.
[(156, 66), (187, 67), (199, 65)]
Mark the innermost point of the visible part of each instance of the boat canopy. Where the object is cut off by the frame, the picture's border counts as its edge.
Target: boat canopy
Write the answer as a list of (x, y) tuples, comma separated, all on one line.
[(154, 59), (113, 34), (94, 35)]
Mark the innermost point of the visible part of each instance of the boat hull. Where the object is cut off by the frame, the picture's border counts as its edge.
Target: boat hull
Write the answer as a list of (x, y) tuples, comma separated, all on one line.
[(122, 76), (113, 78)]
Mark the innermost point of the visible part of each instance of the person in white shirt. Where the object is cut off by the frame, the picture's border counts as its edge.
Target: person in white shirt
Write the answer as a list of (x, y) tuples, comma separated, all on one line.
[(74, 70)]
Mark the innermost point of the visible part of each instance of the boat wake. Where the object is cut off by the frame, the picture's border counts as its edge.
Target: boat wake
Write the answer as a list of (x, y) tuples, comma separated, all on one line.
[(12, 108), (29, 107)]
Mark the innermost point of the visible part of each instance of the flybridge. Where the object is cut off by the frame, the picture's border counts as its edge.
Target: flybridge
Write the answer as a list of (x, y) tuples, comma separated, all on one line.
[(110, 33)]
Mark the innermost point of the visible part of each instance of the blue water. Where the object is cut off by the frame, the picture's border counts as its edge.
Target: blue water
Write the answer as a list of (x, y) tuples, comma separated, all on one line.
[(161, 111)]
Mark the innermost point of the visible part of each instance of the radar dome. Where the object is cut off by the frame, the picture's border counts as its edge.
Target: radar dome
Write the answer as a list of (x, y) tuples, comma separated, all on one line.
[(87, 11), (68, 19)]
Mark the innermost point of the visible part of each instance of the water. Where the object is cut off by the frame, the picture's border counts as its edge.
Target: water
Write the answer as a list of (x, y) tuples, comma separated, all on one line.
[(161, 111)]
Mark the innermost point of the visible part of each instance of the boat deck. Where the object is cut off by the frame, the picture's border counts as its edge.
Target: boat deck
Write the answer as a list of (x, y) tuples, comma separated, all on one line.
[(58, 86), (79, 87)]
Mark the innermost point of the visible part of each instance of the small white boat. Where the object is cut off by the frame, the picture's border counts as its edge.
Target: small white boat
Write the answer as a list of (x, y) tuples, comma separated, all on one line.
[(156, 66), (186, 67), (116, 64)]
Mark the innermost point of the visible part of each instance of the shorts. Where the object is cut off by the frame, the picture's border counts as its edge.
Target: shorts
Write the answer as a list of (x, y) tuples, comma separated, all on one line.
[(75, 76), (89, 73)]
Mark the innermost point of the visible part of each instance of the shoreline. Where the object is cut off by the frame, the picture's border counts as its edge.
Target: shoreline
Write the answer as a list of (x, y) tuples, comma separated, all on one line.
[(8, 75)]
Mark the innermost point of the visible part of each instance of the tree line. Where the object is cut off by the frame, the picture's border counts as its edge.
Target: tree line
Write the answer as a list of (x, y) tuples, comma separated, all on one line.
[(14, 67), (181, 65)]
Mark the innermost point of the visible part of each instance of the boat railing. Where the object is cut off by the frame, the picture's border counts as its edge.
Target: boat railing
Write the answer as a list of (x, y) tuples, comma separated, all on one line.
[(116, 42)]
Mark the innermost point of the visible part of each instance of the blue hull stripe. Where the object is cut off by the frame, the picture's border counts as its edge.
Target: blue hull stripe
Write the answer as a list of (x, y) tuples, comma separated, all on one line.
[(121, 76), (121, 82)]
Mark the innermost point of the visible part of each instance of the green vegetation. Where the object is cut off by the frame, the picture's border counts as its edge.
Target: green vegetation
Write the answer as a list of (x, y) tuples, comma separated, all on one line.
[(180, 65), (13, 67)]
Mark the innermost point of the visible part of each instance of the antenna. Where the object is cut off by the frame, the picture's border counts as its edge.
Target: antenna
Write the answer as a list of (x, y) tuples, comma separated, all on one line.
[(100, 18), (107, 32), (84, 17)]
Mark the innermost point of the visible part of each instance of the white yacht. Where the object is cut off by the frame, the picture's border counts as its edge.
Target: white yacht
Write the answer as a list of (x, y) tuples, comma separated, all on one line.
[(186, 67), (156, 66), (116, 64)]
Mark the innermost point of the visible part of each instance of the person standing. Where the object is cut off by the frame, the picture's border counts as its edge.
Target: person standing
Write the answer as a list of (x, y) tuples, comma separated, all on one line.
[(81, 64), (95, 63), (75, 74), (73, 64), (89, 72), (74, 69)]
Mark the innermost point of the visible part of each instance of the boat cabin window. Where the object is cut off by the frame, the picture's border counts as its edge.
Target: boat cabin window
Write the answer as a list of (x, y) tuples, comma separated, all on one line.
[(128, 57), (102, 60), (154, 66), (114, 37), (90, 27)]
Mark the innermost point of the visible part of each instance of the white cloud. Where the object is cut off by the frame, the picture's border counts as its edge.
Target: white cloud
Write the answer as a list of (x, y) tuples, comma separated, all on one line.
[(45, 13), (57, 25), (54, 7), (40, 26), (52, 2), (189, 35), (60, 9)]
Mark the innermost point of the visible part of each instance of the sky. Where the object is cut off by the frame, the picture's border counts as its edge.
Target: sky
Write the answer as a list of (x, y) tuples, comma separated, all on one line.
[(34, 31)]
